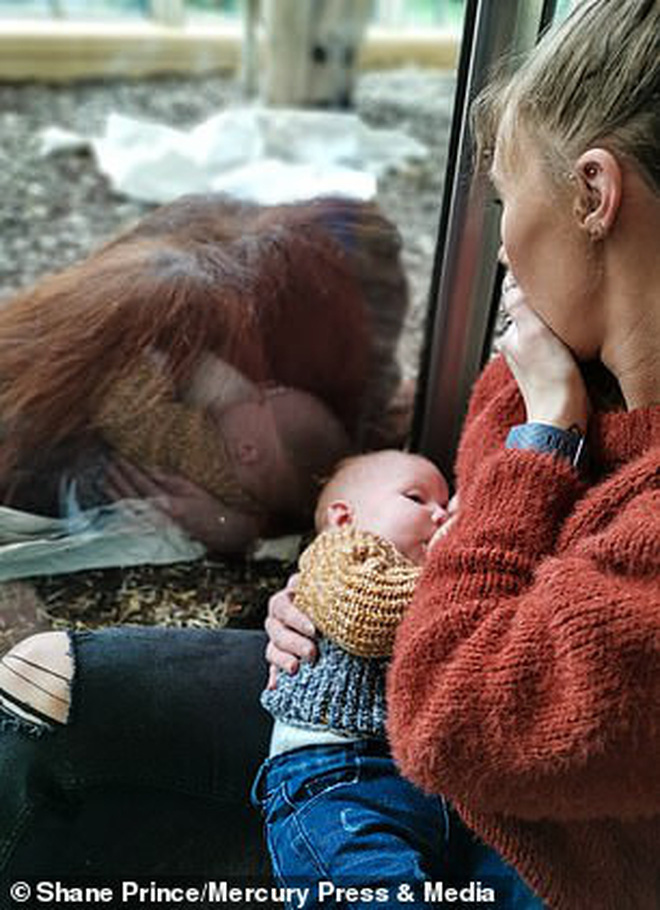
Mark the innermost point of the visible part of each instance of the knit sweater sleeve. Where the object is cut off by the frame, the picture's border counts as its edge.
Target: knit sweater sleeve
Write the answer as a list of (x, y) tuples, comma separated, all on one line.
[(525, 679)]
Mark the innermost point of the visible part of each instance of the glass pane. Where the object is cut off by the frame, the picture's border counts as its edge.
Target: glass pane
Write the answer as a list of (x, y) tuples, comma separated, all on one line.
[(235, 347), (228, 10), (562, 10), (74, 10), (464, 310)]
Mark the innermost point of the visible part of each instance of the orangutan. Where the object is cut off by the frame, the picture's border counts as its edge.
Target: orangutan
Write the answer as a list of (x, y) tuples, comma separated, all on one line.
[(145, 360)]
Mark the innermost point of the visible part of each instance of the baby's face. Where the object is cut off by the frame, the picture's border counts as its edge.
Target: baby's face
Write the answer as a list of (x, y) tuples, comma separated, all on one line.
[(404, 499), (253, 441), (263, 434)]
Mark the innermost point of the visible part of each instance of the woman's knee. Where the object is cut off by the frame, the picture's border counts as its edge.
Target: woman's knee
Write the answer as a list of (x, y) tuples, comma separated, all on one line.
[(35, 678)]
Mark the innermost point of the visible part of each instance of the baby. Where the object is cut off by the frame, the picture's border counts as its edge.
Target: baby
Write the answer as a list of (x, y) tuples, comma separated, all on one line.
[(256, 450), (335, 805)]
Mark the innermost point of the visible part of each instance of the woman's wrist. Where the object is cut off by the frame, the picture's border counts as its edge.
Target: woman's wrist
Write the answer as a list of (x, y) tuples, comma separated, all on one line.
[(563, 418), (562, 405)]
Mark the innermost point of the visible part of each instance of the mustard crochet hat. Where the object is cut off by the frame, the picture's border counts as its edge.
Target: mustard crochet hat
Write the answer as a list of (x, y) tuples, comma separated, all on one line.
[(142, 420), (355, 587)]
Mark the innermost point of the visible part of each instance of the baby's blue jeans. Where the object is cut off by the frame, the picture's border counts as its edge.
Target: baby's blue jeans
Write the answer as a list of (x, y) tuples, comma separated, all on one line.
[(343, 815)]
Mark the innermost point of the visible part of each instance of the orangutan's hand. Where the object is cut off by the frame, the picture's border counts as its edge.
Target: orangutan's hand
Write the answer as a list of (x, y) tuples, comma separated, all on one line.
[(290, 633), (545, 369)]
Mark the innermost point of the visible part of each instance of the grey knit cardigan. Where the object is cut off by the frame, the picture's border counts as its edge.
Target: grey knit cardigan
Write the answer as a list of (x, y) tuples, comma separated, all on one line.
[(339, 693)]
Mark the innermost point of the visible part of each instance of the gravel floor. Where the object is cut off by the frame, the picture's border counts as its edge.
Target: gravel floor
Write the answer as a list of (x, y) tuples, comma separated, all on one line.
[(56, 209)]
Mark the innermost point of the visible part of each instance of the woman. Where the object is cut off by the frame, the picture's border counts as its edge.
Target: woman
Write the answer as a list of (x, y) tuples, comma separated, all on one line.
[(525, 685), (525, 677), (203, 346)]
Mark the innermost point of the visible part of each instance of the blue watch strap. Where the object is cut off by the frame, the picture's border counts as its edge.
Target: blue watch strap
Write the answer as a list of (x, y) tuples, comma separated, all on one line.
[(542, 437)]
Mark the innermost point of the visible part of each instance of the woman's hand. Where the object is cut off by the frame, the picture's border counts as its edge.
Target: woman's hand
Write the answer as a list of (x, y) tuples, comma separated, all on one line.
[(544, 368), (290, 633), (201, 515)]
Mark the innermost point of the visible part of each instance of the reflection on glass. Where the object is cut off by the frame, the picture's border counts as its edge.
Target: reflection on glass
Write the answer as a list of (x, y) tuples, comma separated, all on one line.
[(180, 390), (392, 13), (244, 349)]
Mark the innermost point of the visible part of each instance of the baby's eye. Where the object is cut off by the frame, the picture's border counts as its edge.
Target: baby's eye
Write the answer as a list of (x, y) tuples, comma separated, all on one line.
[(414, 497)]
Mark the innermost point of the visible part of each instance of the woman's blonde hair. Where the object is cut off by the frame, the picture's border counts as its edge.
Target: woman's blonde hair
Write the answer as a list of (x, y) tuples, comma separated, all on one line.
[(593, 80)]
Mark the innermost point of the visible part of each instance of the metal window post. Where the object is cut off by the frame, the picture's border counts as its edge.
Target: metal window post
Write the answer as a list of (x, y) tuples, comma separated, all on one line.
[(465, 283)]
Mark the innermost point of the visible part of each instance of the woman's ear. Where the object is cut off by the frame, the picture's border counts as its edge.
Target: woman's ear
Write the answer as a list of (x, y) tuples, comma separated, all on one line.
[(339, 514), (599, 181)]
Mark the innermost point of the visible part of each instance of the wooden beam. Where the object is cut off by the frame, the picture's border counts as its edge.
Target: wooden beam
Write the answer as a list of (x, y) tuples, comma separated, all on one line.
[(65, 51), (59, 51)]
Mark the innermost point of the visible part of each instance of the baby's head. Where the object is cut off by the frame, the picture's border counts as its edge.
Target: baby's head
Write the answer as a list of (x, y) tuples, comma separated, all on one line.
[(399, 496), (281, 442)]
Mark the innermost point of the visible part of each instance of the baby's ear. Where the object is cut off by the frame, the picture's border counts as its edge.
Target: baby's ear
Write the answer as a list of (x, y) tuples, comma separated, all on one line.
[(339, 514)]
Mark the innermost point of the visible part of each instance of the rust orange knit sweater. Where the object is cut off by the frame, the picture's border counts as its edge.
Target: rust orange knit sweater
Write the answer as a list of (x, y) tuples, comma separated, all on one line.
[(526, 678)]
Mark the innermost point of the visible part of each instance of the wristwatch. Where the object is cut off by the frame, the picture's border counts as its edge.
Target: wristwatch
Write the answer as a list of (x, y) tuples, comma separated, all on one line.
[(541, 437)]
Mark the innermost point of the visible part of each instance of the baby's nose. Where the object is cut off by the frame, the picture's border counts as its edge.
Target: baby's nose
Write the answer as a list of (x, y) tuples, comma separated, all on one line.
[(438, 514)]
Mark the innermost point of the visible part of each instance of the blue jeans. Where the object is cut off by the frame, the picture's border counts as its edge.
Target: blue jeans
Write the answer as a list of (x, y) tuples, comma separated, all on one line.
[(343, 814)]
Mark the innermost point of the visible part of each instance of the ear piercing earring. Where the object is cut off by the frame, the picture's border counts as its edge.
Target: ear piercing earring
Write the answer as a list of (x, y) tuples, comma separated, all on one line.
[(597, 232)]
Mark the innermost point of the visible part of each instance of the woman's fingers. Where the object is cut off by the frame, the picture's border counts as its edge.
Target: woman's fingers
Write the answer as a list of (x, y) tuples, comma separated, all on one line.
[(117, 484), (280, 660), (512, 296), (282, 609), (272, 677), (288, 641), (292, 583), (126, 481), (544, 368), (528, 337), (290, 632), (529, 342)]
